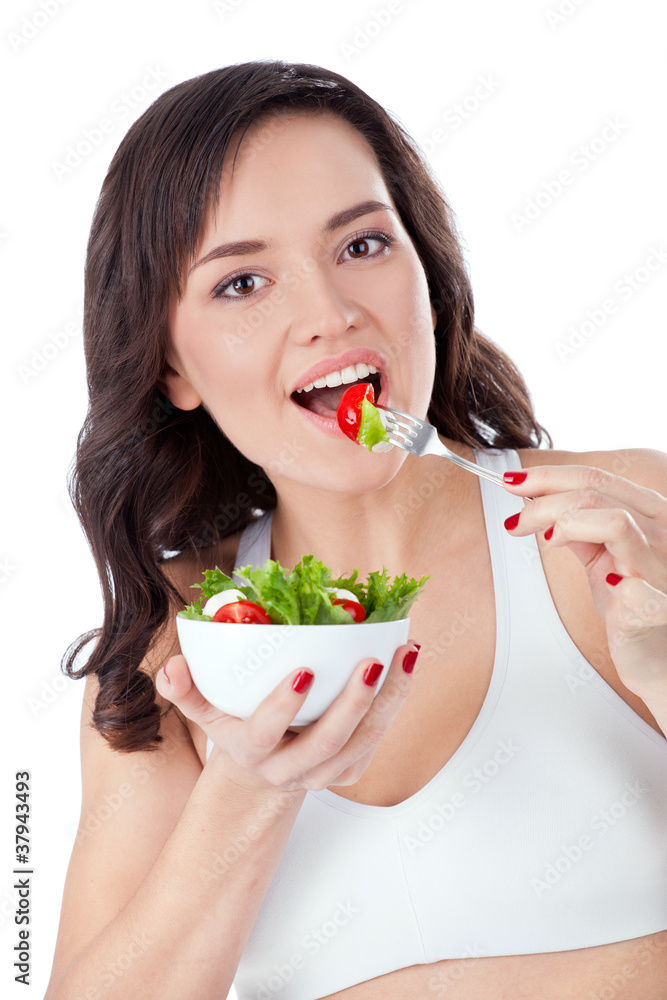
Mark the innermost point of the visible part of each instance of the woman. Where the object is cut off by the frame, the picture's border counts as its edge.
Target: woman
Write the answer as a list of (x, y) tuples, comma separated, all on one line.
[(496, 815)]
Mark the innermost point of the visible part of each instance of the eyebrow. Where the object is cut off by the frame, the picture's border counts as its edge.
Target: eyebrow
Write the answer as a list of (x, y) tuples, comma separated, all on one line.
[(239, 248)]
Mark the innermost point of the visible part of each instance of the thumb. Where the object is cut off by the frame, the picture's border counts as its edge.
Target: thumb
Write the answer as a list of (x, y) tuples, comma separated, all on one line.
[(174, 683)]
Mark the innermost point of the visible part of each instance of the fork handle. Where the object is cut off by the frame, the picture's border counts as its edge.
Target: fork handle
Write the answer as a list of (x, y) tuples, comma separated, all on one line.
[(494, 477)]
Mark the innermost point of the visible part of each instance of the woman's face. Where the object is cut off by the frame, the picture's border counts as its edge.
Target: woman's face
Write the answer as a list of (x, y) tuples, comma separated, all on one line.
[(328, 279)]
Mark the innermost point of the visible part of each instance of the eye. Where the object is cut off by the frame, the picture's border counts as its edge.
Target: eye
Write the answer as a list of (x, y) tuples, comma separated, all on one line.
[(243, 283), (362, 241)]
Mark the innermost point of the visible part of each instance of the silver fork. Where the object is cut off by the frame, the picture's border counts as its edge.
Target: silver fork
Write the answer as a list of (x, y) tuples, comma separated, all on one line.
[(421, 439)]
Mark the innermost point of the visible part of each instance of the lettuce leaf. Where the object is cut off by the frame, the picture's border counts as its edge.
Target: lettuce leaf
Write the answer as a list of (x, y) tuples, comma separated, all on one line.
[(195, 612), (388, 602), (309, 580), (371, 428), (302, 597), (269, 588), (215, 581)]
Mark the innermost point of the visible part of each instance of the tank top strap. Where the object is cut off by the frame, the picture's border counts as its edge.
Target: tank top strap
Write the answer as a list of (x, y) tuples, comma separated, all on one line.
[(516, 561), (497, 502)]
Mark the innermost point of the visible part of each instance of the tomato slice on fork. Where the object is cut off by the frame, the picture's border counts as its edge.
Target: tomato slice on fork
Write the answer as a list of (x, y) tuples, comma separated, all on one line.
[(348, 413)]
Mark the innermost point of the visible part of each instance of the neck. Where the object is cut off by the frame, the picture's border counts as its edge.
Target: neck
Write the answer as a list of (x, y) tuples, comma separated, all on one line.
[(403, 526)]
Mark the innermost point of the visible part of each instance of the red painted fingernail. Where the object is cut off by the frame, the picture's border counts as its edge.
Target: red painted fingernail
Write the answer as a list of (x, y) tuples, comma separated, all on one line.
[(613, 579), (549, 532), (512, 521), (409, 660), (302, 681), (372, 673), (514, 478)]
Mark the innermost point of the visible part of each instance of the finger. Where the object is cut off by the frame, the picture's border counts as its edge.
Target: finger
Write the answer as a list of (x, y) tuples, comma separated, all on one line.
[(646, 607), (174, 683), (265, 729), (544, 480), (621, 536), (564, 508), (354, 771), (355, 722), (543, 512)]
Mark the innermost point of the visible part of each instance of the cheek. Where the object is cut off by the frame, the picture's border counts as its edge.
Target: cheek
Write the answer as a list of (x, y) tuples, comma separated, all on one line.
[(223, 365), (235, 380), (241, 393), (404, 296), (412, 348)]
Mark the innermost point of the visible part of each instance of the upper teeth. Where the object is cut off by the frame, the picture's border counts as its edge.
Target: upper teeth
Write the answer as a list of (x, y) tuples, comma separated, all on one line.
[(341, 377)]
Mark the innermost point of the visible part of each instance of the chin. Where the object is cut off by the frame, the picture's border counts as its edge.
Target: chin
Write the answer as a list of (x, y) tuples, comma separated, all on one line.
[(349, 477)]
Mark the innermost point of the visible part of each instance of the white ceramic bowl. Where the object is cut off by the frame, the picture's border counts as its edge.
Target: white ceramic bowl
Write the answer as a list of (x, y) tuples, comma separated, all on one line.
[(236, 666)]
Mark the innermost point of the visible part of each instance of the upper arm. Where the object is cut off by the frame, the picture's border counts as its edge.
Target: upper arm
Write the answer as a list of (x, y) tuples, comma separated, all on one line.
[(644, 466), (131, 802)]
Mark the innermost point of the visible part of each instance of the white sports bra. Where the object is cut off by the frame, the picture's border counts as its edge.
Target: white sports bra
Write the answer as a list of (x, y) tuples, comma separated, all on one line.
[(545, 831)]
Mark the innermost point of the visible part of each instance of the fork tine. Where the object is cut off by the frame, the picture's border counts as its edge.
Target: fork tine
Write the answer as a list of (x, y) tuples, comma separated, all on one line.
[(399, 424), (398, 444), (390, 411), (404, 442), (403, 429)]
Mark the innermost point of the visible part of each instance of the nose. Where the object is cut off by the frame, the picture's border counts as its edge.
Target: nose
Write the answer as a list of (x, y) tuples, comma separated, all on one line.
[(321, 306)]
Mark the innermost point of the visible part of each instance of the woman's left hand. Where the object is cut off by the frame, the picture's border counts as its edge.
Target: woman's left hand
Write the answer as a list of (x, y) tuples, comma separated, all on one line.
[(618, 530)]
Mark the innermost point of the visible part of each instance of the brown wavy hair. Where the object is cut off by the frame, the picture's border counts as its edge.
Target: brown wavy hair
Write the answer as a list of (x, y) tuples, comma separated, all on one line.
[(150, 479)]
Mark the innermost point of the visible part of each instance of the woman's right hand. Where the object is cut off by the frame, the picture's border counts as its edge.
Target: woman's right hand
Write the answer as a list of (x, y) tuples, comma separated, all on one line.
[(264, 754)]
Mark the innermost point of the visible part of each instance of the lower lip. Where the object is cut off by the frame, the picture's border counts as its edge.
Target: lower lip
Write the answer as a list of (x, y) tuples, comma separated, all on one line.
[(329, 425)]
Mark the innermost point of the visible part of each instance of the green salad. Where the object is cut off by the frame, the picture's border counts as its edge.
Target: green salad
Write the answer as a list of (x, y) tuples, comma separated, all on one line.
[(306, 596)]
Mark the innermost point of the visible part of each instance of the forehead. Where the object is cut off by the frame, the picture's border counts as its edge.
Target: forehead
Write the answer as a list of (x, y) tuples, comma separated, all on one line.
[(294, 164), (278, 130)]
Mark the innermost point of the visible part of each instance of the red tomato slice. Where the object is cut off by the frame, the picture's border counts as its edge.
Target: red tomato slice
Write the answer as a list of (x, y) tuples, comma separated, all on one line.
[(352, 607), (348, 414), (243, 612)]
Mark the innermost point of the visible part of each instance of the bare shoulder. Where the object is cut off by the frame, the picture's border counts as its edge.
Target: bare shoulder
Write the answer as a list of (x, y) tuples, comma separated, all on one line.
[(645, 466)]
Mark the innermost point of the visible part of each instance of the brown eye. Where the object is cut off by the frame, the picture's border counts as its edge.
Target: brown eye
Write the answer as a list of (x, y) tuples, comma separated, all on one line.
[(359, 247), (358, 243), (243, 284)]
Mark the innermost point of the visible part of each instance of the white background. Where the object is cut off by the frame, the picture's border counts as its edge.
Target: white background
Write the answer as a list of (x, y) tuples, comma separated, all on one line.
[(553, 81)]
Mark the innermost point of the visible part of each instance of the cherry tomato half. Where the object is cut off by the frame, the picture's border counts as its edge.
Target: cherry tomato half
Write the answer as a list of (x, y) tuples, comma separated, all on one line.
[(352, 607), (348, 414), (243, 612)]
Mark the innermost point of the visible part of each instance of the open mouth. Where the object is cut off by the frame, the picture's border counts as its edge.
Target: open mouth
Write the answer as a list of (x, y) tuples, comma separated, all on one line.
[(325, 401)]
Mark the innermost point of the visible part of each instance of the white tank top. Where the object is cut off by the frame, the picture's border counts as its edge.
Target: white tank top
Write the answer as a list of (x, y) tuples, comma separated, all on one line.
[(545, 831)]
